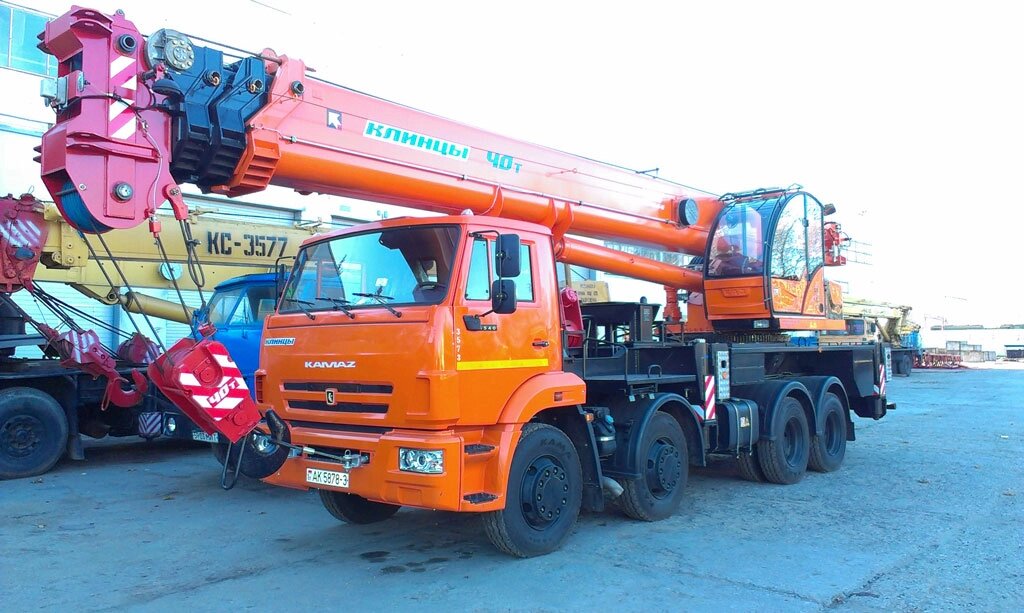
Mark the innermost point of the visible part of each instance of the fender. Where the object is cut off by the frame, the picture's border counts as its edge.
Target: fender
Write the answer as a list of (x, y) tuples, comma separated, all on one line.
[(768, 395), (631, 419), (538, 393), (817, 387)]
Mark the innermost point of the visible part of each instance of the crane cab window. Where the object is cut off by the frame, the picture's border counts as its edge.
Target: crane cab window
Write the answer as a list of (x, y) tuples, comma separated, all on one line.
[(798, 241), (737, 244), (789, 243), (478, 281)]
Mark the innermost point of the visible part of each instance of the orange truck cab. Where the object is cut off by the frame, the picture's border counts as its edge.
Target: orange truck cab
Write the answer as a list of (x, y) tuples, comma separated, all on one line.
[(386, 345)]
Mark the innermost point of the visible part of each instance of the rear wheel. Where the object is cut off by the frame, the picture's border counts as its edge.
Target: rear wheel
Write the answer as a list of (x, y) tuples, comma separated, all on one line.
[(750, 467), (906, 365), (659, 490), (545, 492), (33, 432), (784, 460), (355, 509), (829, 449)]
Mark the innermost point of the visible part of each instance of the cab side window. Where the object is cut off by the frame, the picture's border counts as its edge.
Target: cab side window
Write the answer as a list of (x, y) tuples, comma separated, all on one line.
[(478, 282), (524, 282)]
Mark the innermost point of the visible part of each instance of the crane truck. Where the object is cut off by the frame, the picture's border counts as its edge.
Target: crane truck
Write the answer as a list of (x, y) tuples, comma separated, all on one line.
[(433, 362), (79, 386)]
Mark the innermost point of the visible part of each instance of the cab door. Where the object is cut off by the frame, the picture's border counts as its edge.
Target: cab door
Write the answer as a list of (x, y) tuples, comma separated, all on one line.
[(508, 349), (795, 266)]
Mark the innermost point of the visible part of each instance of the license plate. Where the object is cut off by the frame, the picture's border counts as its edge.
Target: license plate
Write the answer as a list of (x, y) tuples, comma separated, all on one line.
[(326, 477), (199, 435)]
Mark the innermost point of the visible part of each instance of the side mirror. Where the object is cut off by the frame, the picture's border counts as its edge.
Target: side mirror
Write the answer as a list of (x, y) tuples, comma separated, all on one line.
[(503, 296), (506, 256), (280, 276)]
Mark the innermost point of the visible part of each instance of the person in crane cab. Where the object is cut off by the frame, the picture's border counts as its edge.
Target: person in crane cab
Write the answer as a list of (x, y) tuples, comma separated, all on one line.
[(737, 245)]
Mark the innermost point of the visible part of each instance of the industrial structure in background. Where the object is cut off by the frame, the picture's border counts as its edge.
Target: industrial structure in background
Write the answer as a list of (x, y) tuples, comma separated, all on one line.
[(883, 322), (81, 384), (433, 362)]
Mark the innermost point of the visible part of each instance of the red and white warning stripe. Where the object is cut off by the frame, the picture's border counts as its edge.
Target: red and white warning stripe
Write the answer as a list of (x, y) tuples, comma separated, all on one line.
[(220, 399), (20, 232), (709, 397), (122, 119)]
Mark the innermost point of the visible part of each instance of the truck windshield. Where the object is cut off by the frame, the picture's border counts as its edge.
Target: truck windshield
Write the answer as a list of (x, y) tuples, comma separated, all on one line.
[(398, 266)]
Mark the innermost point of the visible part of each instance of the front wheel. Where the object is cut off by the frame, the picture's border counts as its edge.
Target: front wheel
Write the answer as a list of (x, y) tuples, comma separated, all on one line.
[(355, 509), (545, 492), (656, 494)]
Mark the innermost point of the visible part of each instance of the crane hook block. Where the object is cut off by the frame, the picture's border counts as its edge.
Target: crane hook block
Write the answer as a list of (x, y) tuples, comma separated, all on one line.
[(105, 161), (204, 382)]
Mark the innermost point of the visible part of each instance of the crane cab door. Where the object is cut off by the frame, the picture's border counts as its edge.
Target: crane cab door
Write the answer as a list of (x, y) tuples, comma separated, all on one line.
[(765, 262), (796, 261)]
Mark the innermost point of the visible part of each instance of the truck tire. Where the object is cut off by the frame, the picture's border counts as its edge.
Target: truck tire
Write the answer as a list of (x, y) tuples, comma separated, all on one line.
[(545, 493), (906, 365), (658, 492), (784, 460), (33, 432), (749, 467), (829, 449), (262, 456), (354, 509)]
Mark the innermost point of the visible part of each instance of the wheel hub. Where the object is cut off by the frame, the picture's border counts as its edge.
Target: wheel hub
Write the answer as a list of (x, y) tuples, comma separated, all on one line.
[(20, 435), (792, 442), (664, 468), (832, 440), (544, 492), (263, 444)]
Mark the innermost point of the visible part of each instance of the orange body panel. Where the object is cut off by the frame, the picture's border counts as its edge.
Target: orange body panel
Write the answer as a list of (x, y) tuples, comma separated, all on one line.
[(735, 298)]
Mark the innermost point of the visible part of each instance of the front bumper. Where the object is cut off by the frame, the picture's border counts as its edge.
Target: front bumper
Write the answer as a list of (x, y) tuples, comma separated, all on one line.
[(470, 481)]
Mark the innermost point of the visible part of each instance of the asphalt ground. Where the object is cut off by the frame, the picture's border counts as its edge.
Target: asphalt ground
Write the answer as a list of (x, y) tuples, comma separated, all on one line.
[(927, 514)]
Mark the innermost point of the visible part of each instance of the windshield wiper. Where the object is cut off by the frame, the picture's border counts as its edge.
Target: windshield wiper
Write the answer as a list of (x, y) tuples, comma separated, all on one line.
[(339, 304), (301, 302), (381, 300)]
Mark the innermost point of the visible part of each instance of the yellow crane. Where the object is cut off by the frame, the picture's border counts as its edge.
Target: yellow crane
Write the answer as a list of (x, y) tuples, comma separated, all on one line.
[(47, 403)]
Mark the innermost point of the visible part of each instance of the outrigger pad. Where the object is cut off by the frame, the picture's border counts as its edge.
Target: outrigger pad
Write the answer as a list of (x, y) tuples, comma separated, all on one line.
[(204, 382)]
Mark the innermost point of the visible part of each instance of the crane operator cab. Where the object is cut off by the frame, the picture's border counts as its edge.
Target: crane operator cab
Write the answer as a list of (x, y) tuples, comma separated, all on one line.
[(765, 263)]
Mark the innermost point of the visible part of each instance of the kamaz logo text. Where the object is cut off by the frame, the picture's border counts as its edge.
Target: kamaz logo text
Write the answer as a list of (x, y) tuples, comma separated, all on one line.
[(332, 364)]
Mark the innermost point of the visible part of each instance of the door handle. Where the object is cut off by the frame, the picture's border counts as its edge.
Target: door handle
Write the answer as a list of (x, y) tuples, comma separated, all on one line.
[(541, 344)]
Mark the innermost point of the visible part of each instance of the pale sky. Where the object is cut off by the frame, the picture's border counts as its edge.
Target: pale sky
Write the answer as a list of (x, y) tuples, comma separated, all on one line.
[(906, 115)]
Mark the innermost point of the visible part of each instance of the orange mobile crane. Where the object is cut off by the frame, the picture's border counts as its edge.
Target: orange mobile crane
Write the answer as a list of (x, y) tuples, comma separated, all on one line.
[(434, 362)]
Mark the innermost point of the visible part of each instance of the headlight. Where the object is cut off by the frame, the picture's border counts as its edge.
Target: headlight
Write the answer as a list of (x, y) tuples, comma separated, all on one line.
[(171, 425), (429, 461)]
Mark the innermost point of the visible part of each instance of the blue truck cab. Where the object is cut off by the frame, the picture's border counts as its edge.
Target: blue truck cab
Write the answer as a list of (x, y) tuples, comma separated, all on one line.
[(238, 309)]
